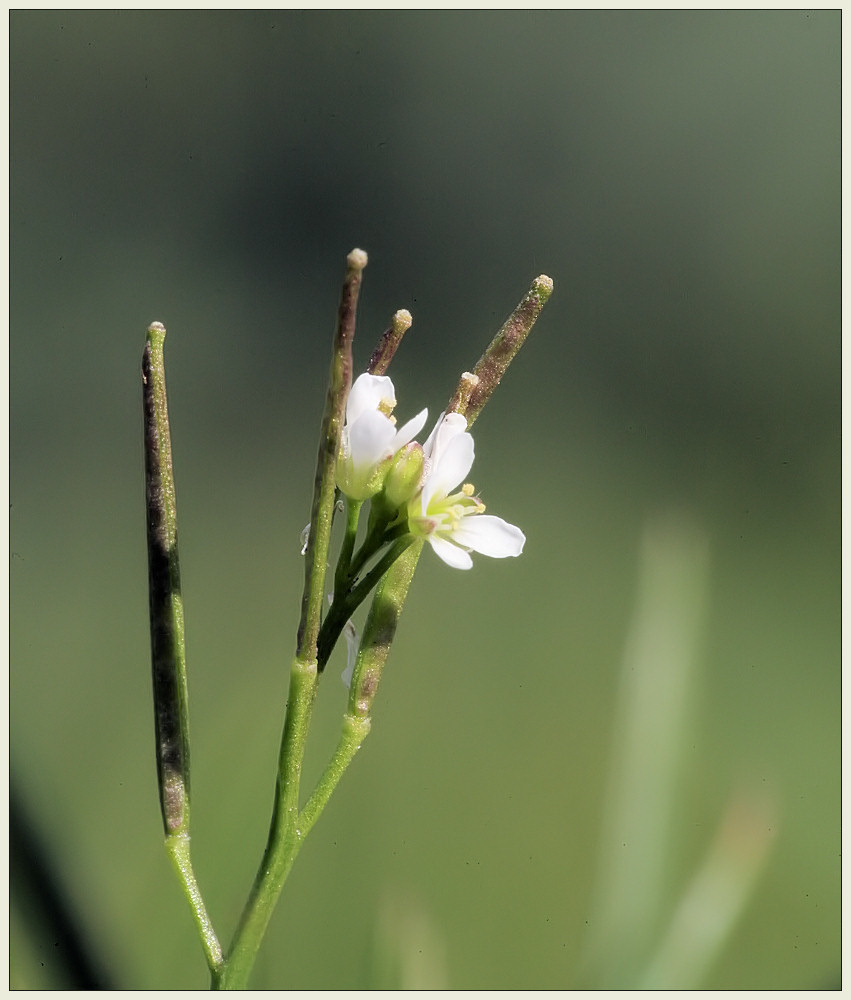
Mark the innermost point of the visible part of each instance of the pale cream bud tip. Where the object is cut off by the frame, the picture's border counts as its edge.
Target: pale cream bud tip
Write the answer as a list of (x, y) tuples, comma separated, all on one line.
[(402, 319), (156, 328), (357, 259)]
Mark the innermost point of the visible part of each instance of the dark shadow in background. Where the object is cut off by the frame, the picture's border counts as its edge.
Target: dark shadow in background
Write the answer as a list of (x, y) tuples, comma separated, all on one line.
[(36, 890)]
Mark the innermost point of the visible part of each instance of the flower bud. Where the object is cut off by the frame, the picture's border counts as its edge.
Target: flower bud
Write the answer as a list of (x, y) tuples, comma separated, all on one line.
[(404, 476)]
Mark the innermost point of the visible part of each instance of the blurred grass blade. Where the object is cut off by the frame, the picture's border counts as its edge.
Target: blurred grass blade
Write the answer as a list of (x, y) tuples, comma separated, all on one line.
[(409, 948), (716, 896), (650, 727)]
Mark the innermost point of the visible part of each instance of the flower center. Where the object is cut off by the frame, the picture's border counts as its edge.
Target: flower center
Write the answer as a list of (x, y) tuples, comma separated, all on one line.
[(444, 514)]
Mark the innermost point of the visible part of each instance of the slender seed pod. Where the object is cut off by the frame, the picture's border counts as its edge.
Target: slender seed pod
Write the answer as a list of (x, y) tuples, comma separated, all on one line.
[(168, 654), (502, 349)]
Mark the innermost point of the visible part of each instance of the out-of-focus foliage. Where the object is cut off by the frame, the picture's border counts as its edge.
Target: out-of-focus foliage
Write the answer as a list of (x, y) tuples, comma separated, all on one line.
[(678, 175)]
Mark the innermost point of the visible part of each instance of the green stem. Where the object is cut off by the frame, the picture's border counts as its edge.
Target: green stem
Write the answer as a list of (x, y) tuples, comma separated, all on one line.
[(361, 591), (288, 835), (285, 838), (379, 632), (354, 732), (289, 827), (347, 602), (348, 596), (341, 576), (380, 629), (371, 544), (178, 850), (322, 513)]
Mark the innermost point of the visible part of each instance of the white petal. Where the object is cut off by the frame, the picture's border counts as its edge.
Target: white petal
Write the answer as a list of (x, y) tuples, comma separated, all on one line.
[(429, 443), (447, 426), (449, 553), (407, 432), (368, 393), (370, 439), (451, 466), (489, 535)]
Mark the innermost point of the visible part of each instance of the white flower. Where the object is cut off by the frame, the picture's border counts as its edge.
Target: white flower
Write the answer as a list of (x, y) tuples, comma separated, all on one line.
[(369, 437), (453, 522)]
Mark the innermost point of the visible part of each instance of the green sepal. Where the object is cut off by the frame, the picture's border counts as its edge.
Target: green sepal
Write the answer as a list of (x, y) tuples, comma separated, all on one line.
[(404, 477)]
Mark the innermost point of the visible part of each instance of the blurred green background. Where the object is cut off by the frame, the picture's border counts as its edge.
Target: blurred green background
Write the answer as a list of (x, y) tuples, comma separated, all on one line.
[(557, 738)]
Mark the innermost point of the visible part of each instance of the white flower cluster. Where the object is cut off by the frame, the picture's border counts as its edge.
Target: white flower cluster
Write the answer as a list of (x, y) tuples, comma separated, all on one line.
[(370, 439), (450, 519)]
